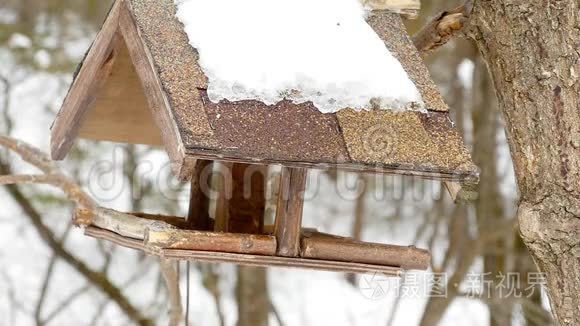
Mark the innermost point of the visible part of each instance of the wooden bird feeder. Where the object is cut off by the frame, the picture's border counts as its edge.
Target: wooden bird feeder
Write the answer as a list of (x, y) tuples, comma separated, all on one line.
[(140, 83)]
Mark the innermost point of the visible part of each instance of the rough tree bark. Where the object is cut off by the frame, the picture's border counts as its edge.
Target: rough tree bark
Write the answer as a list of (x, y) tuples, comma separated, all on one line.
[(532, 49)]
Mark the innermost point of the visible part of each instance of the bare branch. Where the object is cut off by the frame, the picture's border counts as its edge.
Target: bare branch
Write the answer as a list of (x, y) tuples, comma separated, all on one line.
[(44, 290), (29, 154), (97, 279), (137, 276), (444, 27), (67, 302), (53, 175)]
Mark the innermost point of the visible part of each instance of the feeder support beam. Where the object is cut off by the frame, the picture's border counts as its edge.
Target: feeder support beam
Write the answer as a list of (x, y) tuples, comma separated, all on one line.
[(248, 200), (198, 216), (289, 211)]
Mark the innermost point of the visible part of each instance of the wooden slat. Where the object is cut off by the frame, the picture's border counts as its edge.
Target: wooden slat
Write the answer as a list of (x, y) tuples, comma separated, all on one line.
[(286, 262), (198, 215), (224, 190), (244, 259), (428, 174), (247, 203), (317, 246), (115, 238), (82, 94), (289, 211), (176, 221), (156, 97)]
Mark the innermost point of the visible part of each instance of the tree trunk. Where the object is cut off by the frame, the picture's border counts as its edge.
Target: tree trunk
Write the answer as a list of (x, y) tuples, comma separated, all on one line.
[(489, 207), (252, 296), (246, 214), (532, 51)]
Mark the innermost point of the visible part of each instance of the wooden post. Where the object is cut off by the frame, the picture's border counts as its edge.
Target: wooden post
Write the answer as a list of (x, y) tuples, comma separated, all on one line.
[(289, 211), (198, 216), (223, 189), (247, 203)]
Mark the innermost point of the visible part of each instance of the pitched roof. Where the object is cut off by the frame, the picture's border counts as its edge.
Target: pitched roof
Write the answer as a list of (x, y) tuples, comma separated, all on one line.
[(105, 102)]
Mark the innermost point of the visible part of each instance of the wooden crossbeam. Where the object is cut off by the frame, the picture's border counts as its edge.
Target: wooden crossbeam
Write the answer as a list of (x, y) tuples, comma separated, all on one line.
[(210, 241), (321, 246)]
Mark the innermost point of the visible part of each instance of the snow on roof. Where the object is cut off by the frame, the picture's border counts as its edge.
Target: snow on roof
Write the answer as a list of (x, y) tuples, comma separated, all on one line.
[(321, 51), (191, 126)]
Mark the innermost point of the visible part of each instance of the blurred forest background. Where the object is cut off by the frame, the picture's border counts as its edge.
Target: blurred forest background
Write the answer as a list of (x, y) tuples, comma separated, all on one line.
[(51, 274)]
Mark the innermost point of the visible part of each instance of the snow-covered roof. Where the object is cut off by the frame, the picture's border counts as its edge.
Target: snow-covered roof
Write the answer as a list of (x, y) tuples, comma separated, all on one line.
[(347, 65), (143, 43)]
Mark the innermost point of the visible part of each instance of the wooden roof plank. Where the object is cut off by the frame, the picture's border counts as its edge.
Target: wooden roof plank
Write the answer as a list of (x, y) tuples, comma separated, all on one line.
[(90, 79), (175, 63), (390, 28), (152, 85)]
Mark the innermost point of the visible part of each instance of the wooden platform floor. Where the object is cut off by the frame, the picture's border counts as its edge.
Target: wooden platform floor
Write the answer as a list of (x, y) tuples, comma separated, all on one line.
[(244, 259)]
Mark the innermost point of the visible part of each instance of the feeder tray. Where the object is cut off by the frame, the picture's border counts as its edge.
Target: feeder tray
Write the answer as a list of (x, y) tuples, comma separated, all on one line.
[(140, 83)]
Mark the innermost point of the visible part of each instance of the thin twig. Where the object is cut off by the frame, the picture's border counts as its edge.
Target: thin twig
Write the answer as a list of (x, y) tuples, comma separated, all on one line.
[(211, 283), (46, 282), (276, 314), (66, 303), (141, 273), (6, 104)]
